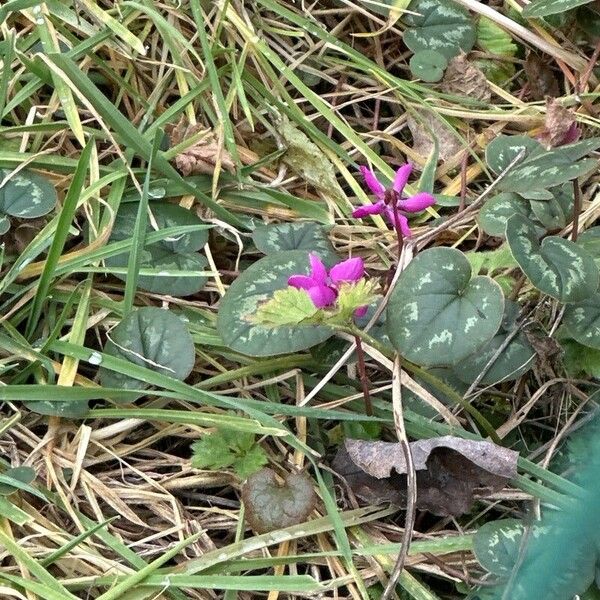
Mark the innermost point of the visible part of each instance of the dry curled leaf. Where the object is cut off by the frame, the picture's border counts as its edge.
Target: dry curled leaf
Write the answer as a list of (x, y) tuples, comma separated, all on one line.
[(422, 130), (541, 78), (451, 472), (463, 78), (271, 504), (202, 157), (560, 126)]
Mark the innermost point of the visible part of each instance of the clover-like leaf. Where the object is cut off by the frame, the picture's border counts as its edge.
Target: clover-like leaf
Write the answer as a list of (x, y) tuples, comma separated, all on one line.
[(256, 285), (583, 321), (497, 210), (26, 195), (152, 338), (308, 236), (543, 8), (428, 65), (515, 359), (557, 267), (21, 475), (272, 505), (437, 314), (438, 25), (289, 306), (179, 253)]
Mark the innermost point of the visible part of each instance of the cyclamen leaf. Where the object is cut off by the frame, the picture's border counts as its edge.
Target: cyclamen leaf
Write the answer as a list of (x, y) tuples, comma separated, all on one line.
[(437, 314), (556, 266), (287, 307), (257, 284), (21, 475), (543, 8), (428, 65), (26, 195), (501, 151), (497, 210), (583, 321), (438, 25), (581, 360), (153, 338)]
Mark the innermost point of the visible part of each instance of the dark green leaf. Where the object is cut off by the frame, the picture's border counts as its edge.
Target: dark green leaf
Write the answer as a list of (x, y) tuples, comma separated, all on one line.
[(26, 195), (21, 475), (542, 8), (428, 65), (583, 321)]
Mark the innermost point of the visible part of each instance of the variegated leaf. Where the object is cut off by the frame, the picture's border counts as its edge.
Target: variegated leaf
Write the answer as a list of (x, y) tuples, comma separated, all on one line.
[(26, 195), (253, 287), (497, 210), (501, 151), (556, 266), (438, 315), (542, 8), (583, 321)]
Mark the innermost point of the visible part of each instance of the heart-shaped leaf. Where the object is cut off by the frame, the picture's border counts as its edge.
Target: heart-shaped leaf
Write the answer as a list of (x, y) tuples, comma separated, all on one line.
[(557, 267), (20, 474), (272, 505), (583, 321), (555, 212), (253, 287), (437, 314), (589, 240), (516, 358), (311, 237), (152, 338), (178, 253), (428, 65), (501, 151), (25, 195), (438, 25), (543, 8), (549, 168), (497, 210)]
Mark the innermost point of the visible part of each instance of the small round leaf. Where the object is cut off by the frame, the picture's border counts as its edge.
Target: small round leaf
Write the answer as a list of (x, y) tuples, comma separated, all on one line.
[(583, 321), (556, 266), (438, 315), (428, 65), (311, 237), (271, 505), (26, 195), (254, 286), (496, 545), (177, 254), (152, 338)]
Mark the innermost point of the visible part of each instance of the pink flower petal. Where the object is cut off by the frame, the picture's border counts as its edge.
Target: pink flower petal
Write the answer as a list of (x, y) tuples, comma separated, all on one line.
[(369, 209), (372, 182), (322, 296), (302, 282), (317, 269), (361, 311), (417, 203), (402, 175), (349, 270), (572, 135), (402, 222)]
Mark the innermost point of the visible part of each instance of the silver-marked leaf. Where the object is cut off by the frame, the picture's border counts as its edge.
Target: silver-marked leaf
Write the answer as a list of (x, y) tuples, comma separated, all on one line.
[(311, 237), (66, 410), (516, 358), (583, 321), (439, 25), (4, 224), (589, 240), (556, 266), (153, 338), (501, 151), (542, 8), (26, 195), (549, 168), (254, 286), (497, 210), (179, 253), (557, 211), (428, 65), (438, 315)]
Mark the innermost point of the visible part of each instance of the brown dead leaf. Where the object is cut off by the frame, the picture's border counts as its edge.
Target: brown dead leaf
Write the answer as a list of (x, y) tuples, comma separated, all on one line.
[(463, 78), (451, 472), (449, 144), (541, 78), (560, 126), (203, 156)]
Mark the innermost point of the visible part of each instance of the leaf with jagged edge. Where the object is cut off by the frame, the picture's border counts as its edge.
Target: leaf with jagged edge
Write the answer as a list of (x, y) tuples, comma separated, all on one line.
[(289, 306)]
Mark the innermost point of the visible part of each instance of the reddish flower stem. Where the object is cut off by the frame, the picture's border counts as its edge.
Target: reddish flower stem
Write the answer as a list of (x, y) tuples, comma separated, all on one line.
[(362, 371)]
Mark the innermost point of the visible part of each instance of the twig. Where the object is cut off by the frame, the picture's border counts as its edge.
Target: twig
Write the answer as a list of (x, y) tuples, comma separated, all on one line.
[(411, 480), (576, 210), (363, 376)]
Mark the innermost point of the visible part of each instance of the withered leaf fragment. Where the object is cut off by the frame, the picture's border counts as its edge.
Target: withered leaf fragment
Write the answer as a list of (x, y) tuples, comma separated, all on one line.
[(451, 472), (273, 505), (424, 127), (202, 157), (560, 126), (541, 78), (463, 78)]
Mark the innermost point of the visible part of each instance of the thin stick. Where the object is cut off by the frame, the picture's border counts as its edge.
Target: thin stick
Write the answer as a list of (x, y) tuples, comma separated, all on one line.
[(411, 480), (363, 376), (576, 210)]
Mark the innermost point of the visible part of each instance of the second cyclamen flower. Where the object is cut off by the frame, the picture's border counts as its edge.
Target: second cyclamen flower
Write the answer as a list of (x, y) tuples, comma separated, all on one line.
[(390, 202)]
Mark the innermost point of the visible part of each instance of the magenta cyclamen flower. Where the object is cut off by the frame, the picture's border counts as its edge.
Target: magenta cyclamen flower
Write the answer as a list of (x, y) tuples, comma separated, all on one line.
[(389, 198), (322, 286)]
